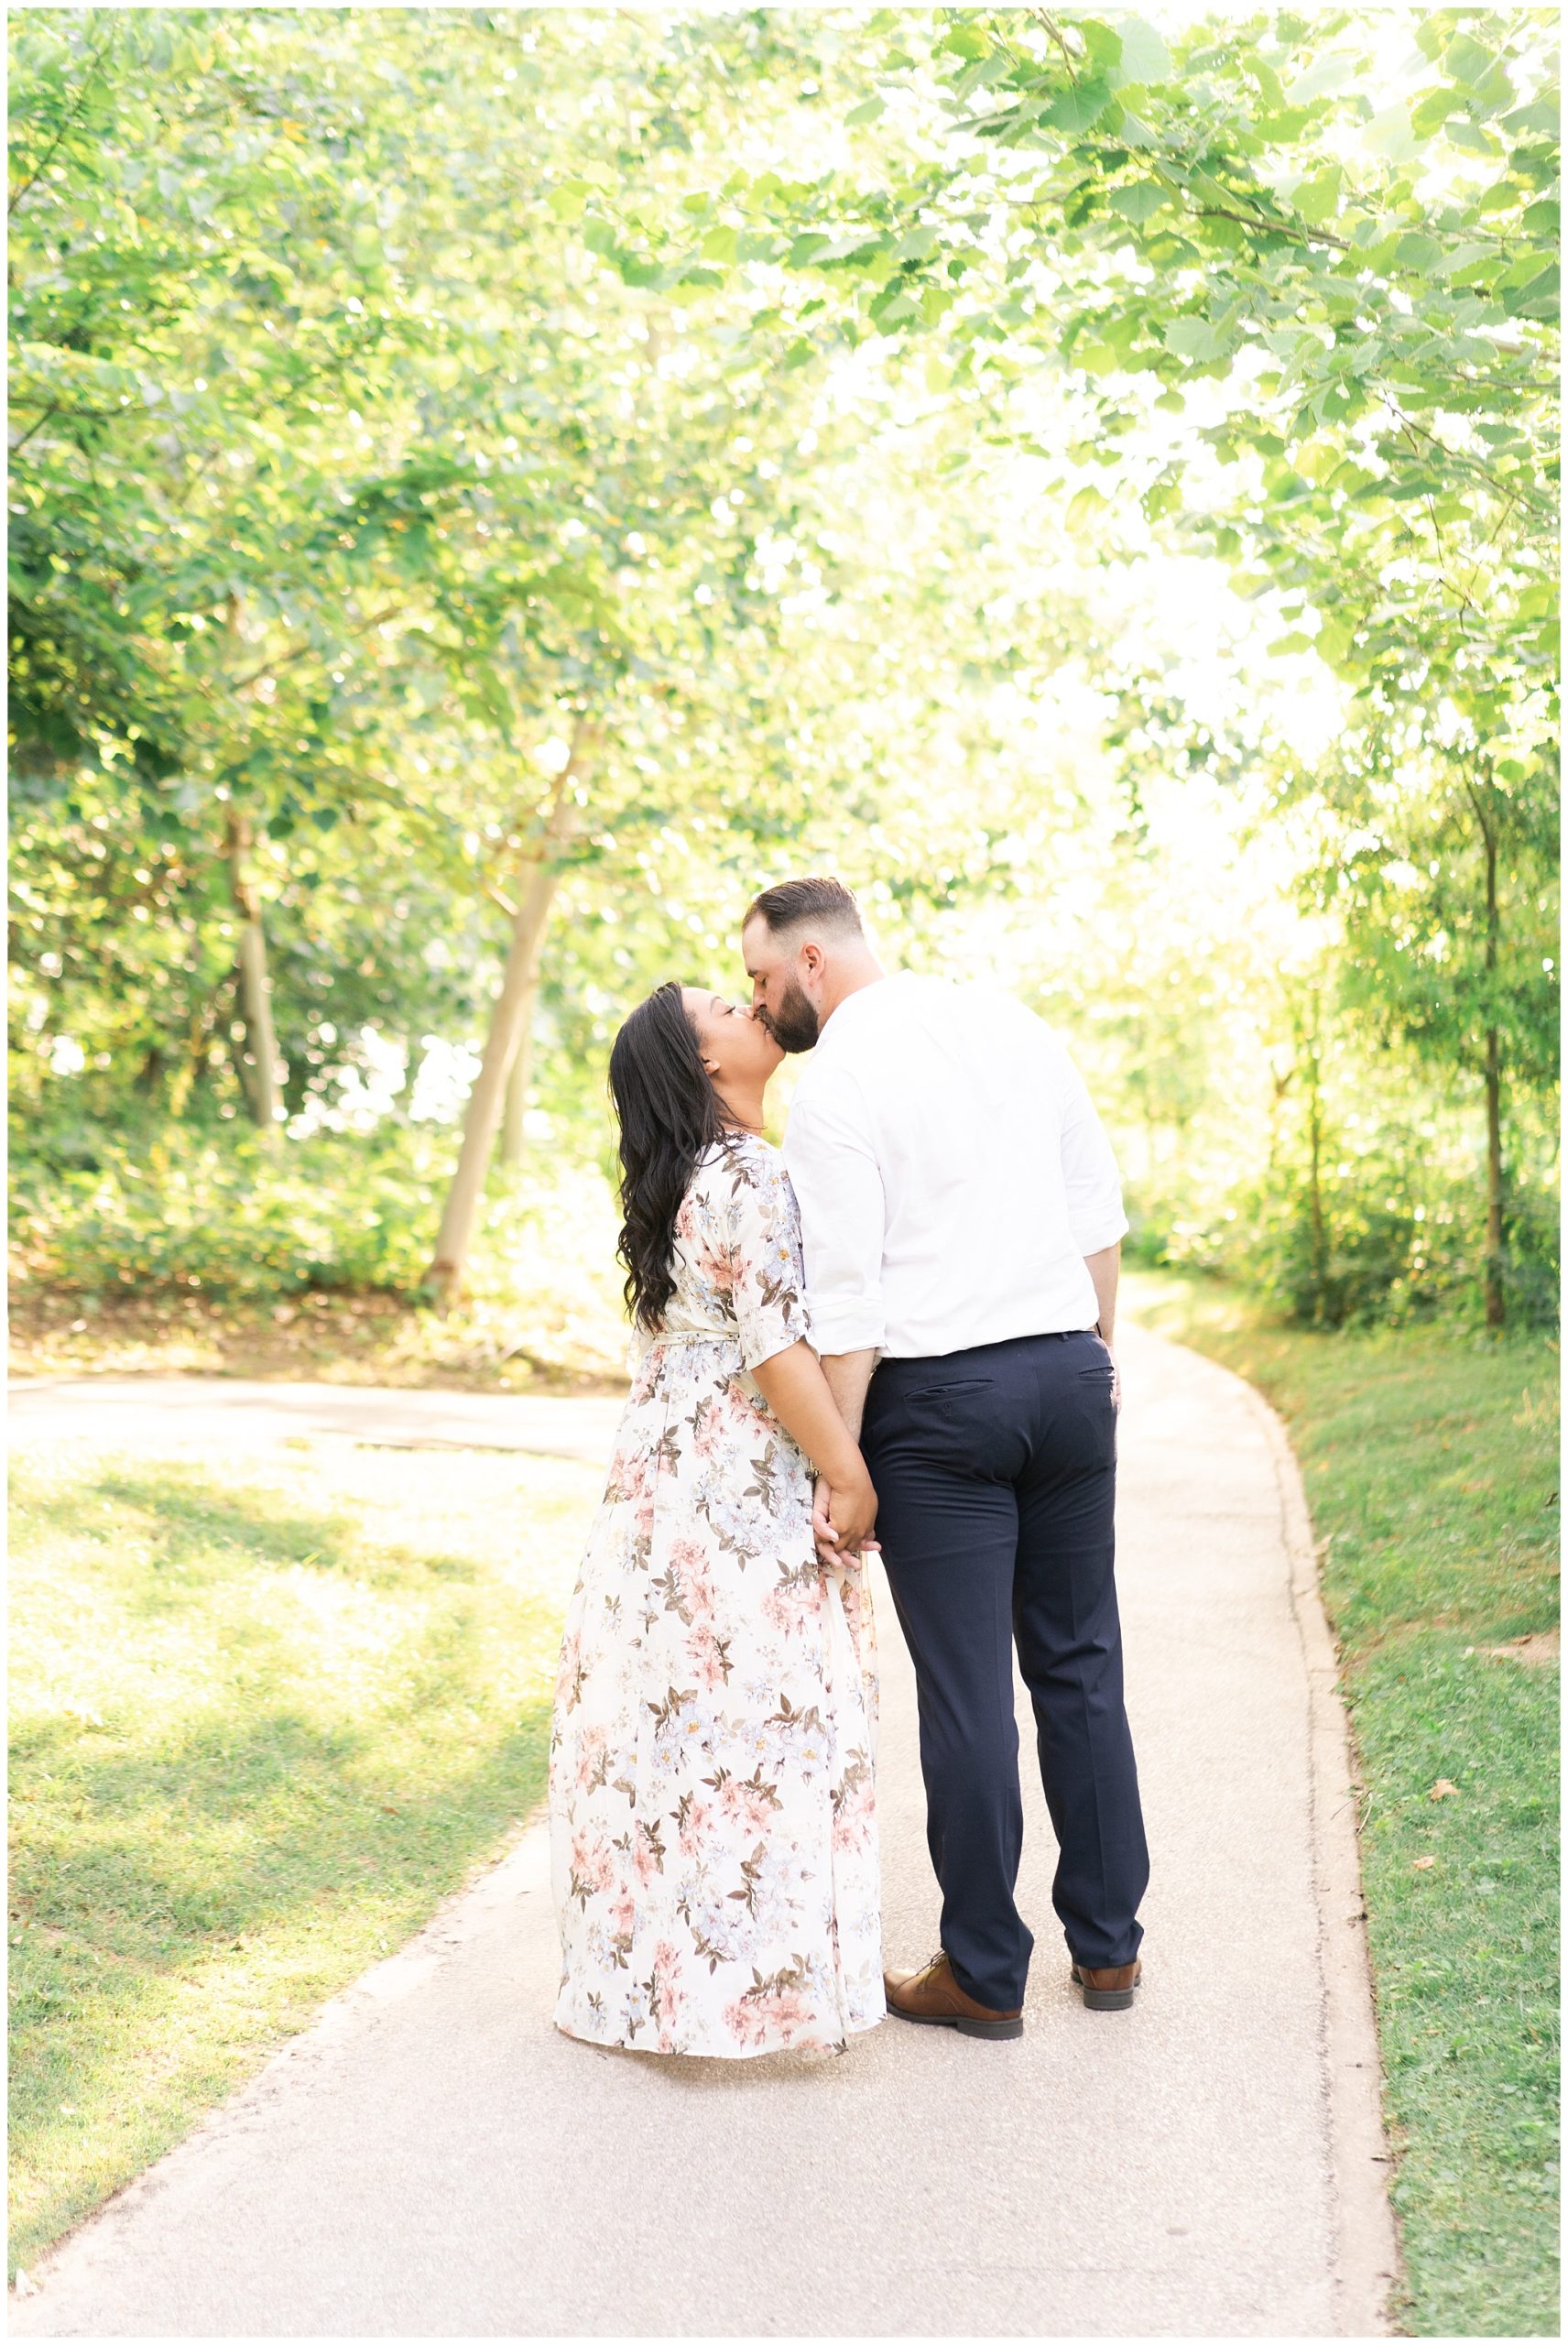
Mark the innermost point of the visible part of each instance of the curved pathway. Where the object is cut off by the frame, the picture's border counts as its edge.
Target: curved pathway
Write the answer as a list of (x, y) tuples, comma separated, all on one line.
[(431, 2159)]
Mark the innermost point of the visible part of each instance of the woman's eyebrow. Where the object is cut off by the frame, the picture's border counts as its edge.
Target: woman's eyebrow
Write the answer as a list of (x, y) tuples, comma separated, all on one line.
[(718, 1002)]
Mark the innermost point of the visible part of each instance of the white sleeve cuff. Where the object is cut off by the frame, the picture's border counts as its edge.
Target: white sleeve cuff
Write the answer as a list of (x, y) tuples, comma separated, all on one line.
[(856, 1325), (1092, 1233)]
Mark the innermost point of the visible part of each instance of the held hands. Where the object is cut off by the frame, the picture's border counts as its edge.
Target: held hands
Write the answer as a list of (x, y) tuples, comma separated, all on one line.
[(843, 1514)]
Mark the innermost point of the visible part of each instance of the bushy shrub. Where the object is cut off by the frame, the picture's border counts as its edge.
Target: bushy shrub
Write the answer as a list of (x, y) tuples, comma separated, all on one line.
[(1398, 1237), (216, 1214), (213, 1212)]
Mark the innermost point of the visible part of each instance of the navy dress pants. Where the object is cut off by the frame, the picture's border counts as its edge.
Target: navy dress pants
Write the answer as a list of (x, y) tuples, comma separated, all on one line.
[(995, 1475)]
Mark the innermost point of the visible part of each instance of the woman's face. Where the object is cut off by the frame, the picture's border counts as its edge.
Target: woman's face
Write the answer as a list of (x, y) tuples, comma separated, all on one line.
[(737, 1049)]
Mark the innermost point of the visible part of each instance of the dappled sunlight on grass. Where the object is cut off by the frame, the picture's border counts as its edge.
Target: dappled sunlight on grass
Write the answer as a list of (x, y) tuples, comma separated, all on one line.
[(266, 1717)]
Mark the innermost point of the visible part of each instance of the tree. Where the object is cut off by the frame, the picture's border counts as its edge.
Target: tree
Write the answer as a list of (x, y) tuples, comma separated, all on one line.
[(1364, 298)]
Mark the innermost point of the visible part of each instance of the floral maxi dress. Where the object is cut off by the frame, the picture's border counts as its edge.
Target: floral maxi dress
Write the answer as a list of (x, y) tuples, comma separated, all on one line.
[(712, 1823)]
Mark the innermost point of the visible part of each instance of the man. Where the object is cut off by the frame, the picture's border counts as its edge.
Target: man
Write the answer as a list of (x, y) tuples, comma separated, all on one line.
[(962, 1220)]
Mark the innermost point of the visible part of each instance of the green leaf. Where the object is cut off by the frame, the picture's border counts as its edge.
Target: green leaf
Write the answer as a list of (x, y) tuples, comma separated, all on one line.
[(1194, 338), (1140, 201), (1103, 43), (1469, 136), (1465, 60), (1145, 59), (868, 110), (918, 245), (1430, 113), (1541, 114), (1418, 252), (1317, 200), (1079, 106), (1538, 298)]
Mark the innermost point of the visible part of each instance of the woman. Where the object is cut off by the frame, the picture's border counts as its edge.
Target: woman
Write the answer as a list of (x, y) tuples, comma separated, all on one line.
[(711, 1820)]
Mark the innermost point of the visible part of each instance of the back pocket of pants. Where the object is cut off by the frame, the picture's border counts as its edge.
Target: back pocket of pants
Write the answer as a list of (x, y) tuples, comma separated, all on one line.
[(954, 1395)]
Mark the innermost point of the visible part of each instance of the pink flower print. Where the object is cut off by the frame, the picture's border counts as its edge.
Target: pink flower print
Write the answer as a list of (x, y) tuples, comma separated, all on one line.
[(852, 1596), (750, 1805), (853, 1805), (709, 1434), (710, 1657), (794, 1608), (693, 1820), (669, 2000), (769, 2011), (571, 1673), (648, 1851), (689, 1568), (633, 1474), (592, 1758), (593, 1867)]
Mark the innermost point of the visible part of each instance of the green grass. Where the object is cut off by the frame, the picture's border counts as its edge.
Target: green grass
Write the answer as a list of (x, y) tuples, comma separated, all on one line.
[(266, 1716), (1431, 1463)]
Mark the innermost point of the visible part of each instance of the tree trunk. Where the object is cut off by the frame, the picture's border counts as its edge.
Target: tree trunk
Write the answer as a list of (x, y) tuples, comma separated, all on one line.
[(1314, 1174), (1320, 1243), (1496, 1305), (512, 1136), (1280, 1084), (198, 1041), (260, 1069), (513, 1005)]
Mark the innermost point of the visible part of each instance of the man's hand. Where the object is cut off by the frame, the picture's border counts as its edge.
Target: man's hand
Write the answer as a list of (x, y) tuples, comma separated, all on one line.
[(841, 1519)]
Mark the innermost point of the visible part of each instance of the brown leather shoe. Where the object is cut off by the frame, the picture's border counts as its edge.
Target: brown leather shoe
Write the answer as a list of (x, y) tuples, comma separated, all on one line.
[(933, 1998), (1108, 1991)]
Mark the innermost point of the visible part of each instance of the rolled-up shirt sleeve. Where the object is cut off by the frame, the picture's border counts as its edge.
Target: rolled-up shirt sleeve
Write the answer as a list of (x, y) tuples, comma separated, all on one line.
[(1089, 1171), (833, 1169)]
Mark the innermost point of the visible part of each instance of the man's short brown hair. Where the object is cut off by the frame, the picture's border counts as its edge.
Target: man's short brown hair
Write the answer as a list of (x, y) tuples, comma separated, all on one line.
[(824, 903)]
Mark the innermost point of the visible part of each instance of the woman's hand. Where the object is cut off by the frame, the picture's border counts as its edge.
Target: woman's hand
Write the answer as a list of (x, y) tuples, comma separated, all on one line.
[(843, 1514)]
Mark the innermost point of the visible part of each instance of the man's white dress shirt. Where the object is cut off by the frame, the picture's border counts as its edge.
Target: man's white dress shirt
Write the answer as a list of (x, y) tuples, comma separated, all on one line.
[(951, 1172)]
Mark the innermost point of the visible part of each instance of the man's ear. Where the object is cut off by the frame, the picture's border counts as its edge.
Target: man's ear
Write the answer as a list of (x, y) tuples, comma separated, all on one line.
[(812, 958)]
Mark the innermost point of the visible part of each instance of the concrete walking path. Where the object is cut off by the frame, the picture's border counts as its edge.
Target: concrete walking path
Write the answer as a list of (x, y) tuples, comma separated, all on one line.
[(239, 1412), (432, 2160)]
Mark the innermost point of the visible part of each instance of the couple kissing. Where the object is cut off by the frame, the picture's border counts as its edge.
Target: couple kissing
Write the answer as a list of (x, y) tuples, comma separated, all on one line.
[(895, 1337)]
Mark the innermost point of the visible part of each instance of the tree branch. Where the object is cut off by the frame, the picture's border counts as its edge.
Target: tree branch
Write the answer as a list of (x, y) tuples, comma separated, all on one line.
[(48, 154)]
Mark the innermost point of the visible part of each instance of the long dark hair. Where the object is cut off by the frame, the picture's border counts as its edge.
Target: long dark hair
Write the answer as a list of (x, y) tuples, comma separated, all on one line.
[(669, 1117)]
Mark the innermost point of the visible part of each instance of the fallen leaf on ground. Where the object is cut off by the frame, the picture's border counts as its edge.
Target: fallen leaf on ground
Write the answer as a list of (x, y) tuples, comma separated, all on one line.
[(1443, 1789), (1424, 1864)]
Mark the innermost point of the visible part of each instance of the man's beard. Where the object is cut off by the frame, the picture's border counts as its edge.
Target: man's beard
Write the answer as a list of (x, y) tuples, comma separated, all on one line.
[(795, 1025)]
